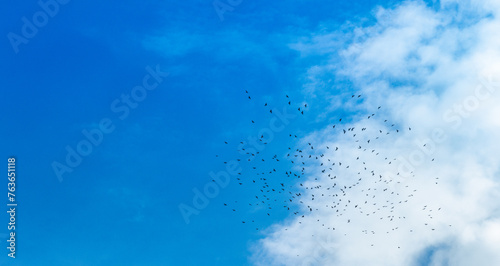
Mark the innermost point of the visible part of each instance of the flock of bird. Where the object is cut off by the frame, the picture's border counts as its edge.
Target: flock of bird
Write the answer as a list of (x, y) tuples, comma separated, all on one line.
[(345, 178)]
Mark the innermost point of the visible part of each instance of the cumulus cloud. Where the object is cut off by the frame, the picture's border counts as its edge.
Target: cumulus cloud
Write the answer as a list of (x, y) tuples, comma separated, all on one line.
[(429, 195)]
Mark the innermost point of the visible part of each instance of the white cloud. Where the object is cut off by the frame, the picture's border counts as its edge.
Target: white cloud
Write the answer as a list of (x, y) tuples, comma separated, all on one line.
[(427, 69)]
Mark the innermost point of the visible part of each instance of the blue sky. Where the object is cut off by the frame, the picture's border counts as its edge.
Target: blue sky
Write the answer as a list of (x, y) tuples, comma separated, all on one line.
[(120, 205)]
